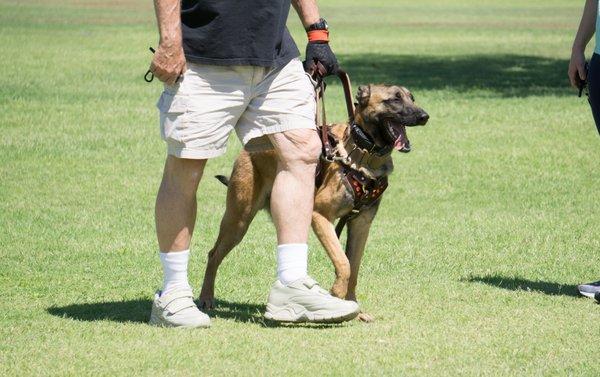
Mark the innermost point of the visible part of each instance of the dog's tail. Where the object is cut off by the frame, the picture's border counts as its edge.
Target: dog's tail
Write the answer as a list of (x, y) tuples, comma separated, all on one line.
[(223, 179)]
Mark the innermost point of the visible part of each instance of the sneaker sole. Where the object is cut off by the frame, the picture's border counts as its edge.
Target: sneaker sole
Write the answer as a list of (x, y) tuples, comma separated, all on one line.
[(157, 322), (298, 314), (587, 294)]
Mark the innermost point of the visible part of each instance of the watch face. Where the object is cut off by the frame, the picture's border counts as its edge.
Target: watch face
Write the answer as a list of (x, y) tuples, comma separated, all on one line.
[(319, 25)]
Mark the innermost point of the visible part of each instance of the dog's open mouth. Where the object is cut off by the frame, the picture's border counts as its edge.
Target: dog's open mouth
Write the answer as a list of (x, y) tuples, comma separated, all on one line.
[(397, 132)]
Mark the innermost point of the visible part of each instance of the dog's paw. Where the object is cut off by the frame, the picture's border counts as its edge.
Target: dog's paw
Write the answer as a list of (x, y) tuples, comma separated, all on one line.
[(365, 317), (206, 302)]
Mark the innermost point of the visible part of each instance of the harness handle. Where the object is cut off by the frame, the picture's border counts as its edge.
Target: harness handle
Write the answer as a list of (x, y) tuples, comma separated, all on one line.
[(317, 71), (345, 79)]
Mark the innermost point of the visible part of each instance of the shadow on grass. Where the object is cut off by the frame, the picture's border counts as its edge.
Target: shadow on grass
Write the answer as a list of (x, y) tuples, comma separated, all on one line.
[(117, 311), (516, 284), (253, 313), (505, 75), (138, 311)]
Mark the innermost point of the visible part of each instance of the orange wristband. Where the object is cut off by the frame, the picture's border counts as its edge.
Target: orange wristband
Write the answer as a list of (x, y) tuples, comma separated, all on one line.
[(318, 36)]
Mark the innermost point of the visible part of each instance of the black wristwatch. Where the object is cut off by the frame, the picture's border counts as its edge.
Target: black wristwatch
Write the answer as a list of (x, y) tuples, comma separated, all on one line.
[(319, 25)]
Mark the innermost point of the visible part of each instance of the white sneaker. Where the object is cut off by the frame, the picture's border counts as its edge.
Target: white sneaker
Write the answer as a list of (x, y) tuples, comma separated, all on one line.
[(304, 301), (177, 309)]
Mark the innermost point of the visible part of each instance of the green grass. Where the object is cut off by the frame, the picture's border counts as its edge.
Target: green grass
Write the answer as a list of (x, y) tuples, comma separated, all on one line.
[(472, 263)]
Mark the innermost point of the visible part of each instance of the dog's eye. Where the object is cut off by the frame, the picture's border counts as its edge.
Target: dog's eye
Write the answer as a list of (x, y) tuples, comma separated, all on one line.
[(399, 95)]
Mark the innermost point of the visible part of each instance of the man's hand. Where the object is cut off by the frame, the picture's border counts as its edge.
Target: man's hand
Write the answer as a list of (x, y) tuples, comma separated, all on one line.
[(577, 72), (319, 51), (168, 63)]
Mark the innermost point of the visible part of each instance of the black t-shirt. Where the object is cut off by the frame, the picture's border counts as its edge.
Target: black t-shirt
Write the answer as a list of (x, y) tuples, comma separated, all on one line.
[(243, 32)]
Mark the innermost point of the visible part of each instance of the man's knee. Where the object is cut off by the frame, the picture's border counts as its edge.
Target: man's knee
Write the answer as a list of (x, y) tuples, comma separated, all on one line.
[(304, 147), (314, 148), (182, 175), (310, 150)]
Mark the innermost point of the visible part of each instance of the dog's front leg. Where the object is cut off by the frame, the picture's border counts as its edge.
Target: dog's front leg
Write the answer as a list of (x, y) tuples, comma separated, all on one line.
[(358, 232), (325, 232)]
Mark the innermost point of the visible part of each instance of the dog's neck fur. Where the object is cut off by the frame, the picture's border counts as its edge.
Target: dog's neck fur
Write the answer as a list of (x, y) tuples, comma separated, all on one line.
[(370, 164)]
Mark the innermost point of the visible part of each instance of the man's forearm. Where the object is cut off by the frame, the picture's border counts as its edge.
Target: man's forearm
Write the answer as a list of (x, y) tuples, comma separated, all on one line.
[(587, 26), (169, 21), (307, 11), (168, 63)]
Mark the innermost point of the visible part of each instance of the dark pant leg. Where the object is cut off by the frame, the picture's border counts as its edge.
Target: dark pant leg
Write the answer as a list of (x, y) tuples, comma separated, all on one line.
[(594, 88)]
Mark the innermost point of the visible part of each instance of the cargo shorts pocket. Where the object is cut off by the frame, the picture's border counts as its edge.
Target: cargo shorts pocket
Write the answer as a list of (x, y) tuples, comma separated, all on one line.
[(173, 109)]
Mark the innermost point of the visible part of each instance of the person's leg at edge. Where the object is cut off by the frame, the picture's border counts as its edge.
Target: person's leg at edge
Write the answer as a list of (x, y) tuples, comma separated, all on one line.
[(175, 214), (593, 289), (594, 88)]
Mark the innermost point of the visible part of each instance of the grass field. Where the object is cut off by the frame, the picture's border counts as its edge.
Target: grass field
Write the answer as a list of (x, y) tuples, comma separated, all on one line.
[(472, 263)]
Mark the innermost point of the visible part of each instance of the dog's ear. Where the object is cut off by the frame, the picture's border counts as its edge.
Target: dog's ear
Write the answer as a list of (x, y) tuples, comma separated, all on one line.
[(363, 95)]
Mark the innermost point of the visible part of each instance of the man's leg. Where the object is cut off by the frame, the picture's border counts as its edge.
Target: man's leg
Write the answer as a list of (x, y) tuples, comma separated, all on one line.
[(175, 209), (293, 192), (292, 199), (294, 296), (175, 213)]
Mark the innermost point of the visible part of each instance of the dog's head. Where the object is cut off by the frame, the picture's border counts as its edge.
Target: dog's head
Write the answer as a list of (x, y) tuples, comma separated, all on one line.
[(384, 112)]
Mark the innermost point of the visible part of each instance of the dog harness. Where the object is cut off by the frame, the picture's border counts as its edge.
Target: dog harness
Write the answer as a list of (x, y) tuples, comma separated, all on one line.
[(366, 191), (363, 151)]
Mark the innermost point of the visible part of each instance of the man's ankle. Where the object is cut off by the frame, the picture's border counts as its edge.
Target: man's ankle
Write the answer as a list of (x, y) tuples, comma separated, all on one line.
[(175, 264), (292, 262)]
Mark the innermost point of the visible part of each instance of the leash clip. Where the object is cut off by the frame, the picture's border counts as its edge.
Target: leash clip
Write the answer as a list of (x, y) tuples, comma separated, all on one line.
[(149, 76)]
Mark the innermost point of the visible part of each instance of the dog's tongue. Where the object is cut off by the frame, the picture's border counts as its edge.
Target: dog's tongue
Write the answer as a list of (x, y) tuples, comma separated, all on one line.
[(402, 144)]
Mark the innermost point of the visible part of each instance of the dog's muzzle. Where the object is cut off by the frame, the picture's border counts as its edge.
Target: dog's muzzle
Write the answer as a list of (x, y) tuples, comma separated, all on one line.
[(395, 131)]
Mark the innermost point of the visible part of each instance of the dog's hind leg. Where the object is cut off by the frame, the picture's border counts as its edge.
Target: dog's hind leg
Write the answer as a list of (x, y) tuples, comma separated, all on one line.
[(325, 232), (245, 197), (358, 232)]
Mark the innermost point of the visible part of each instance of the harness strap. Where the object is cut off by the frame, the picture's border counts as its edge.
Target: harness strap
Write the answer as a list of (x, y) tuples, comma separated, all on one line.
[(339, 228), (366, 192)]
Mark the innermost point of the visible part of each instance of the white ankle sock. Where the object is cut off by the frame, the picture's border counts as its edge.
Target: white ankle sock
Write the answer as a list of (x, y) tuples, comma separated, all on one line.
[(292, 262), (175, 266)]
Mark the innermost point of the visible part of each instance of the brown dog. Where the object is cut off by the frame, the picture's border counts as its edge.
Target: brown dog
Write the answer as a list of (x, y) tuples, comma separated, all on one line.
[(349, 187)]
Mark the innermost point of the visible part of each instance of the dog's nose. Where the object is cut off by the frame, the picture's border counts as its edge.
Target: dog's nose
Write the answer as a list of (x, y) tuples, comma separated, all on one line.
[(423, 118)]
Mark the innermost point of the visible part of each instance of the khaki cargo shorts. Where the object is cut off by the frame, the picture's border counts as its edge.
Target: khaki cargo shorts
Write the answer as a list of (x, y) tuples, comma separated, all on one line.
[(198, 113)]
